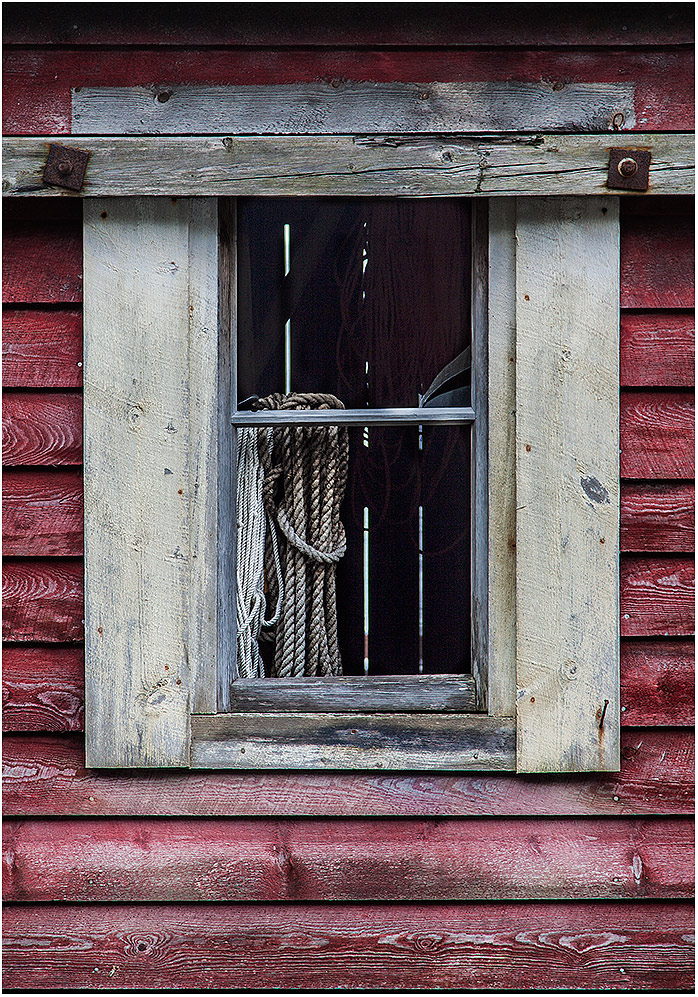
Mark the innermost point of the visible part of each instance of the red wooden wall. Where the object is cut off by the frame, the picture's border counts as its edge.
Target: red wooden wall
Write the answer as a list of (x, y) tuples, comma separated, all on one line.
[(221, 880)]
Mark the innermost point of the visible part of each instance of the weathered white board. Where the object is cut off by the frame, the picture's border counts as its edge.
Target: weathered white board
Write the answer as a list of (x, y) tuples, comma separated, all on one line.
[(501, 458), (567, 485), (273, 166), (342, 107), (151, 411)]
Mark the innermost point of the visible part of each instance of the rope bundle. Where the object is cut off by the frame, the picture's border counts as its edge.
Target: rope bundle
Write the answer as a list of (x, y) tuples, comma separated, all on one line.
[(300, 483)]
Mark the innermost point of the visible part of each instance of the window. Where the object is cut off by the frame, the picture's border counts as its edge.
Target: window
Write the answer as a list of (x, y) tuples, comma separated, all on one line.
[(164, 271)]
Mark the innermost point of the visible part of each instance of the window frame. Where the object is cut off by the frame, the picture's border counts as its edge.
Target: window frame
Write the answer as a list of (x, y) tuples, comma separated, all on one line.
[(471, 160)]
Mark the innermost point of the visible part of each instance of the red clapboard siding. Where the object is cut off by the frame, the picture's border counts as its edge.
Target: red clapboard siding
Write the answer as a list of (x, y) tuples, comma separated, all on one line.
[(657, 434), (42, 263), (43, 688), (657, 254), (565, 946), (42, 428), (656, 431), (42, 600), (46, 776), (37, 83), (250, 860), (657, 682), (42, 513), (42, 349), (657, 349), (657, 517), (307, 25), (657, 596)]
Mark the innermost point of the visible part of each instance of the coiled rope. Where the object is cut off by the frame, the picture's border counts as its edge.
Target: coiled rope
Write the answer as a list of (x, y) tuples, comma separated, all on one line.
[(303, 476)]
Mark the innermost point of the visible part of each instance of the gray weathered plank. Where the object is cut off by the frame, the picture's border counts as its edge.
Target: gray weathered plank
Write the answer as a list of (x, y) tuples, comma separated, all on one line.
[(501, 482), (353, 741), (333, 108), (567, 485), (259, 166), (357, 694), (150, 320)]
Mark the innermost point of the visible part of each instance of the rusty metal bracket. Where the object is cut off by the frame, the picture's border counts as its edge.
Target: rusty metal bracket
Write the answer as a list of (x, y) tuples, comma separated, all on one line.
[(629, 169), (65, 167)]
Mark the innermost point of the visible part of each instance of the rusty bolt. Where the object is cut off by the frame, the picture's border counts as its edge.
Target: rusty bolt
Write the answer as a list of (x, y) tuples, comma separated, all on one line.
[(64, 167), (627, 167)]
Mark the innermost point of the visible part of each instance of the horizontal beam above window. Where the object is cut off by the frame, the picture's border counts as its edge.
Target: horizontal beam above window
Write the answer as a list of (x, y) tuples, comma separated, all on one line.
[(355, 417), (349, 165)]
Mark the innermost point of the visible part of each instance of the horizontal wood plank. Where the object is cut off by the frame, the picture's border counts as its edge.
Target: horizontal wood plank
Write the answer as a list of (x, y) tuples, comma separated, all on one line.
[(657, 596), (43, 688), (657, 682), (345, 165), (43, 600), (37, 82), (42, 263), (656, 431), (247, 860), (42, 513), (657, 434), (657, 255), (657, 349), (306, 26), (657, 517), (42, 428), (342, 107), (569, 946), (404, 693), (46, 776), (444, 741), (41, 348)]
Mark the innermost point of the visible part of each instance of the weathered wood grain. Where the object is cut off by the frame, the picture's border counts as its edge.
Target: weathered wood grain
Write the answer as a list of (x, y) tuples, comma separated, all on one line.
[(657, 433), (357, 694), (41, 348), (658, 517), (567, 489), (43, 688), (344, 107), (42, 600), (657, 349), (151, 320), (38, 82), (446, 741), (216, 860), (670, 24), (657, 596), (657, 682), (42, 428), (42, 513), (345, 165), (42, 263), (46, 776), (479, 946), (657, 255), (500, 580)]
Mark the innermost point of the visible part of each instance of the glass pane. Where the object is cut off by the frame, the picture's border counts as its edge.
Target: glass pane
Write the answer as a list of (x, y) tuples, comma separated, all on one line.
[(366, 299), (403, 585)]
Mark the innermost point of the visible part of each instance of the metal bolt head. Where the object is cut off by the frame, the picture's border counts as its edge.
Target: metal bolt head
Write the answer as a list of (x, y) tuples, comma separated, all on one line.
[(64, 167), (627, 167)]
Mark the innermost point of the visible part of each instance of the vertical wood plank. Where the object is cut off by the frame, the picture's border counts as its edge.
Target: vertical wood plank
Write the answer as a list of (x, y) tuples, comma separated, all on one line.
[(150, 528), (501, 526), (567, 484)]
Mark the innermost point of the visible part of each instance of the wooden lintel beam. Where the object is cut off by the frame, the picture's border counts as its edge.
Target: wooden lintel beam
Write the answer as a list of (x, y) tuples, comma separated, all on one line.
[(346, 165)]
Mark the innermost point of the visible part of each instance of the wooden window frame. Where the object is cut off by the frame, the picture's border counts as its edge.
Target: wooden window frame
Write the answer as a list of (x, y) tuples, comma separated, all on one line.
[(539, 711)]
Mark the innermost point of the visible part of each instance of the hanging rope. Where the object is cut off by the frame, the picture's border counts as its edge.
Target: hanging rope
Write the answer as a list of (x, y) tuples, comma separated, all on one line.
[(305, 475), (251, 538)]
